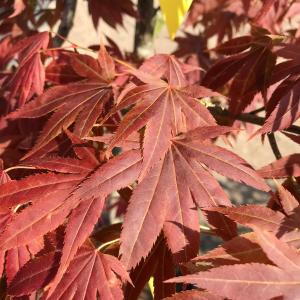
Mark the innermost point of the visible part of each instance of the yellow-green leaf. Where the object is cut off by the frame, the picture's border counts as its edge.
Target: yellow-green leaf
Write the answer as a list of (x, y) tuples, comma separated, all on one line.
[(174, 12)]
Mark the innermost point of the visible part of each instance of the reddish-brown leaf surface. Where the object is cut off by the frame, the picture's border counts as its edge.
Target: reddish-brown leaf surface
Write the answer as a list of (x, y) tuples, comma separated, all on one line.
[(30, 75), (81, 223), (16, 258), (36, 220), (114, 175), (239, 250), (92, 273), (194, 295), (142, 273), (165, 269), (286, 101), (106, 161), (103, 10), (60, 164), (249, 215), (80, 102), (163, 108), (239, 281), (280, 253), (35, 274), (32, 187), (249, 70), (222, 161), (153, 206), (60, 70), (48, 213), (284, 167), (288, 201), (261, 280)]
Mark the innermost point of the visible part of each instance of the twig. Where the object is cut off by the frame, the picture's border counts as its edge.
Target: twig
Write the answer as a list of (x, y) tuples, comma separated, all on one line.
[(256, 111), (248, 118), (277, 154), (274, 145)]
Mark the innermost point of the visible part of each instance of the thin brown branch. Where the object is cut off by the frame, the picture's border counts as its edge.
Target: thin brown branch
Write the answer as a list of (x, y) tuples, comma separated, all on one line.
[(256, 111), (66, 22), (247, 118), (274, 145)]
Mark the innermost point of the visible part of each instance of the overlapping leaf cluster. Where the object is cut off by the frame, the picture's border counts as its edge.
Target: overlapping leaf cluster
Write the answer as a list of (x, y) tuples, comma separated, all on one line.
[(86, 136)]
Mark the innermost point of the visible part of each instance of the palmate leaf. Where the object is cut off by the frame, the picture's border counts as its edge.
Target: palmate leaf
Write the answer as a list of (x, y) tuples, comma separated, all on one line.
[(250, 70), (50, 209), (165, 108), (102, 10), (283, 107), (166, 197), (154, 205), (246, 248), (81, 223), (258, 280), (30, 76), (80, 102), (54, 208), (90, 275)]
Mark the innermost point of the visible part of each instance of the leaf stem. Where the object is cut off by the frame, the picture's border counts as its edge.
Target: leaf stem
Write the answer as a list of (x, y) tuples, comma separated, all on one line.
[(107, 244), (74, 45), (105, 125), (19, 167)]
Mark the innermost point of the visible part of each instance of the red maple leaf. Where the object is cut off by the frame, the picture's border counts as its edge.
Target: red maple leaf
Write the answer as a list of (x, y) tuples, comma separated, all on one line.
[(29, 78), (82, 102), (113, 17), (154, 205), (262, 281), (249, 70)]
